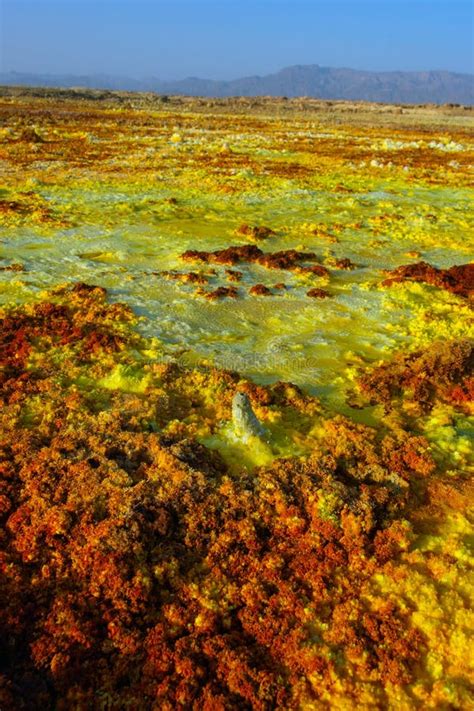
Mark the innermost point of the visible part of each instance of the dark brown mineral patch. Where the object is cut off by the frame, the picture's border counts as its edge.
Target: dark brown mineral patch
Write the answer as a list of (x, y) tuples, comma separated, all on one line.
[(285, 259), (31, 135), (458, 280), (260, 290), (315, 269), (13, 268), (221, 292), (230, 255), (318, 293), (340, 188), (7, 206), (257, 232), (234, 275), (82, 290), (344, 263)]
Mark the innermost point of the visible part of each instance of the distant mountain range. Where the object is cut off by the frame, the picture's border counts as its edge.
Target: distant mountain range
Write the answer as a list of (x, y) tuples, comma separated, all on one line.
[(438, 87)]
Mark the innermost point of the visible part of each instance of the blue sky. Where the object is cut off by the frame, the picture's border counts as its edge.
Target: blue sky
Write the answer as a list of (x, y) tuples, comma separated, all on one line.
[(227, 39)]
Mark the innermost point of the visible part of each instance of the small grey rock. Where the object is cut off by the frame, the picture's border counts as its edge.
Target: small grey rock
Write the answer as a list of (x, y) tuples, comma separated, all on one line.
[(244, 419)]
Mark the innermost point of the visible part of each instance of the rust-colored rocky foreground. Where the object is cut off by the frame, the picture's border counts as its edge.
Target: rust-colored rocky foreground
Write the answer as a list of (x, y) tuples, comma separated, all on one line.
[(140, 570)]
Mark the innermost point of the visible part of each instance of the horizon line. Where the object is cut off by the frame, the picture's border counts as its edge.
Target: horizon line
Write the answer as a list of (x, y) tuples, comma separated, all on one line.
[(243, 76)]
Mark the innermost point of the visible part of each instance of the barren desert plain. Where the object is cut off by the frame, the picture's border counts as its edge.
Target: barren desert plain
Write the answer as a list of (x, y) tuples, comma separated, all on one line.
[(162, 548)]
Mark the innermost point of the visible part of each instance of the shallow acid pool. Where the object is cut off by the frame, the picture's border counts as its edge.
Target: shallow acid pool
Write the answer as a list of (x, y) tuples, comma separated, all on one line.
[(116, 208)]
